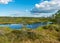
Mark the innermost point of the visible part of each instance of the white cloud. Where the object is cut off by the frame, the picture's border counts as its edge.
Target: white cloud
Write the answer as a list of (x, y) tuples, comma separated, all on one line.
[(28, 14), (5, 1), (46, 6)]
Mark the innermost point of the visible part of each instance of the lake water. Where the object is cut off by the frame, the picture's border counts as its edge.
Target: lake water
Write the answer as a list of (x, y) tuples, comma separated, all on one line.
[(19, 26)]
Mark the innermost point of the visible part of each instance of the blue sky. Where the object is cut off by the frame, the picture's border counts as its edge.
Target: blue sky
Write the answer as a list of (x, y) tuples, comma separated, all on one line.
[(28, 8)]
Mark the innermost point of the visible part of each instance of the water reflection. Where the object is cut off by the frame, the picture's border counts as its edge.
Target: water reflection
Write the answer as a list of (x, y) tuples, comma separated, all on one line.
[(19, 26)]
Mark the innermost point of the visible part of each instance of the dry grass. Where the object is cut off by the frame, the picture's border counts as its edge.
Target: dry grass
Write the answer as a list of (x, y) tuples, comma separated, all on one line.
[(49, 35)]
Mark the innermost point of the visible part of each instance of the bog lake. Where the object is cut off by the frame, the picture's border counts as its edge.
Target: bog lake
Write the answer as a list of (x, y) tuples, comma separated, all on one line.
[(19, 26)]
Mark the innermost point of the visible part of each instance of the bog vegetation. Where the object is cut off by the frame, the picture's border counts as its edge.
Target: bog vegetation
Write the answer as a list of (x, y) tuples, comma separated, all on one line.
[(44, 34)]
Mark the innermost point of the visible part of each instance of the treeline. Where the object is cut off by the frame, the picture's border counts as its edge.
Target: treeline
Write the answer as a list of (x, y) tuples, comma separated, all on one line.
[(10, 20), (55, 17)]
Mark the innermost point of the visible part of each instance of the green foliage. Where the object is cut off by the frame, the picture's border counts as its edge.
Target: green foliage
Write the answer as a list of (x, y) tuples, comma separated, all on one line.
[(25, 20), (56, 17), (44, 34)]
